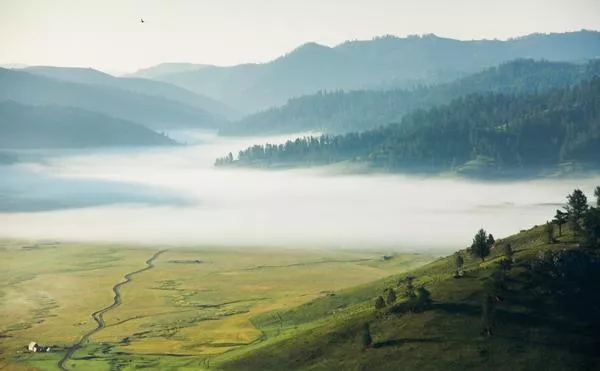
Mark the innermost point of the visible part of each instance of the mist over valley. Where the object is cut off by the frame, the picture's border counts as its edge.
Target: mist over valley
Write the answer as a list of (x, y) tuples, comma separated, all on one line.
[(299, 185), (175, 195)]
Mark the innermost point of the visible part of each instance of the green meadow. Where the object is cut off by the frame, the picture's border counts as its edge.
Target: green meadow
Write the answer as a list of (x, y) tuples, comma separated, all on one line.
[(196, 308)]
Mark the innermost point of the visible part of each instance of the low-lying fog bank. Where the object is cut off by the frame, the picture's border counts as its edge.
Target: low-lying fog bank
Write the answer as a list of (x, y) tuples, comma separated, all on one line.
[(176, 196)]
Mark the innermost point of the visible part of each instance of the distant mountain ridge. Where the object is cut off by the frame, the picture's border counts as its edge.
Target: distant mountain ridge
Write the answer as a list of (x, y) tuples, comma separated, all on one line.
[(340, 112), (385, 61), (138, 85), (152, 111), (166, 68), (29, 127)]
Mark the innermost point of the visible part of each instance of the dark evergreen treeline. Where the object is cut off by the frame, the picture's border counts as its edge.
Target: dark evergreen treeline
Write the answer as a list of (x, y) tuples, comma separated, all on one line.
[(341, 112), (502, 131)]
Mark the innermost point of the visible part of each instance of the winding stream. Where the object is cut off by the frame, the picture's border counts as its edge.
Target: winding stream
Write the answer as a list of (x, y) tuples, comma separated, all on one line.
[(98, 315)]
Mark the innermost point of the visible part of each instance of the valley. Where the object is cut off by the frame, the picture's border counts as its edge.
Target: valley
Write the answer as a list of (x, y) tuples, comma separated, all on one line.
[(301, 185), (194, 305)]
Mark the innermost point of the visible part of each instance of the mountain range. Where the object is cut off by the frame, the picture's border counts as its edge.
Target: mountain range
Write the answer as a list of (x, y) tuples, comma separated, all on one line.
[(396, 75), (340, 112), (383, 62), (145, 86), (153, 111)]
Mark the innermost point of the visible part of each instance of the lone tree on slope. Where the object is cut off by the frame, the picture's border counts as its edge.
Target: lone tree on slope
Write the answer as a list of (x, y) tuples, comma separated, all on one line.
[(576, 207), (560, 219), (480, 247)]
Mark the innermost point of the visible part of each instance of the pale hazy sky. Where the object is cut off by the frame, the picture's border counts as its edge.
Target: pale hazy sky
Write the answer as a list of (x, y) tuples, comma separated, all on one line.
[(107, 34)]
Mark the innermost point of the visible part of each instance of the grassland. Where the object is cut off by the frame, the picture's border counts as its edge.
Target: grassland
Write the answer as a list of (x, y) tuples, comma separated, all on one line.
[(196, 309), (533, 331), (265, 309)]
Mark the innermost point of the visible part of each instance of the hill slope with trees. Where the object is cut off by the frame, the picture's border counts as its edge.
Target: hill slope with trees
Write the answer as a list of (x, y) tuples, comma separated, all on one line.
[(528, 303), (384, 62), (340, 112), (29, 127), (481, 134)]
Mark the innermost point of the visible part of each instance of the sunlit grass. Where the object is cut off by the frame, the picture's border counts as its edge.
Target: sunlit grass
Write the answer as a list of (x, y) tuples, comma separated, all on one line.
[(325, 334), (196, 304)]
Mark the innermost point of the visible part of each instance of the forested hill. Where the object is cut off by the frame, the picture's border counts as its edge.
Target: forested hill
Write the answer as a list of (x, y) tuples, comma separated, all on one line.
[(341, 112), (479, 132), (29, 127)]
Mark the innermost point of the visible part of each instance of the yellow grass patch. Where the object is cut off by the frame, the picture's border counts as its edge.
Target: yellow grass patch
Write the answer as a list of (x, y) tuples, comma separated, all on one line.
[(196, 301)]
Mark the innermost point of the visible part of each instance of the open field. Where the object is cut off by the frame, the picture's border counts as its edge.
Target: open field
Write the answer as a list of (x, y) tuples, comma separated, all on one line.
[(194, 308)]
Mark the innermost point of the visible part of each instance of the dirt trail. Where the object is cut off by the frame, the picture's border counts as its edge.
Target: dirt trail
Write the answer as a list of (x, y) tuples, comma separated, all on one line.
[(98, 315)]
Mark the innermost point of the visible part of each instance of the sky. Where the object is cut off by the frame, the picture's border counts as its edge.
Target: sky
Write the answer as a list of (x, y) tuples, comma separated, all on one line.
[(108, 34)]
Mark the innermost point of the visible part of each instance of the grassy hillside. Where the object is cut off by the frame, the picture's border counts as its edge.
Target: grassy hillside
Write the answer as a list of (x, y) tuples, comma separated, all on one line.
[(539, 322)]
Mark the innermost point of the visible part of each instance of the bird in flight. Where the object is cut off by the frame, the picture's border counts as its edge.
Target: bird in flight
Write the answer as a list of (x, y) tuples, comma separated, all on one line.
[(142, 20)]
